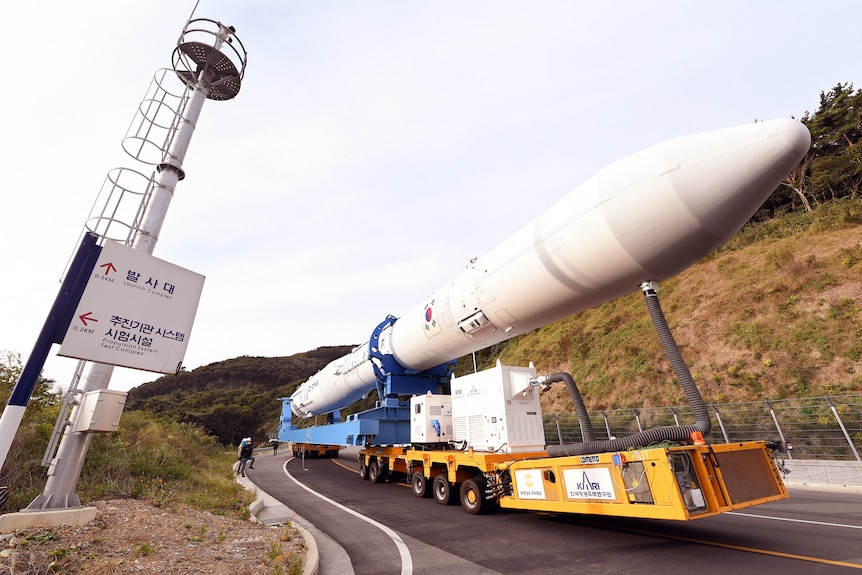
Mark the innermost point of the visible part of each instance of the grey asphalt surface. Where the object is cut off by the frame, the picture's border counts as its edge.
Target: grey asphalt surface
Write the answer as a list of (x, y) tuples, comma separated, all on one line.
[(812, 532)]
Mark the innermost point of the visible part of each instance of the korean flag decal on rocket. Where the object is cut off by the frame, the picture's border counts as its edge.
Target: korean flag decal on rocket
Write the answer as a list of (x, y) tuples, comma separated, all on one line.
[(432, 326)]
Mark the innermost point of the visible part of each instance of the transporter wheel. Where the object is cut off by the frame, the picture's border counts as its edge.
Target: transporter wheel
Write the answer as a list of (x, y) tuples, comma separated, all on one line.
[(377, 472), (420, 486), (363, 470), (473, 496), (442, 490)]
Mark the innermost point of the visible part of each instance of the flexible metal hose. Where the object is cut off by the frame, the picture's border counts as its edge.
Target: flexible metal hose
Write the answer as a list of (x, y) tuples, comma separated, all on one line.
[(587, 432), (702, 423)]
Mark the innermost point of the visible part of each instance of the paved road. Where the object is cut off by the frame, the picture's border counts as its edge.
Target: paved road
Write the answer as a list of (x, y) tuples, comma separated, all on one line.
[(383, 529)]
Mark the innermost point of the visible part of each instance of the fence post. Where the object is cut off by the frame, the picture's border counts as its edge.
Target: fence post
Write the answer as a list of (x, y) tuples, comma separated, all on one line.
[(675, 417), (559, 429), (844, 429), (638, 419), (720, 422), (607, 424), (778, 427)]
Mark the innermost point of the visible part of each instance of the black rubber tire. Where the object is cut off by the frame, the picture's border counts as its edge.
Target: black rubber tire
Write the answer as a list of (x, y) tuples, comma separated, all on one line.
[(473, 496), (363, 470), (442, 490), (419, 484), (376, 472)]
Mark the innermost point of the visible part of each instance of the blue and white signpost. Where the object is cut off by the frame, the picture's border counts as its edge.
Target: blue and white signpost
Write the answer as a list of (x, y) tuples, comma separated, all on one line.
[(116, 306), (55, 326), (137, 311)]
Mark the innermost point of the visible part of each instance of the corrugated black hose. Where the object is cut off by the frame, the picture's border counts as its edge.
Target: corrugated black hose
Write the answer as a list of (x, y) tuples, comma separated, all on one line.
[(587, 432), (678, 433)]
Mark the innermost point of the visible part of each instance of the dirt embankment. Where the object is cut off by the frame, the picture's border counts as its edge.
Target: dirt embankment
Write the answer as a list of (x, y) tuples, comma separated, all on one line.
[(131, 536)]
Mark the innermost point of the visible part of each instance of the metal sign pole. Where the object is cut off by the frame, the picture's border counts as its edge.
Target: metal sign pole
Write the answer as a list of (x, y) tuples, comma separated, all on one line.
[(209, 74)]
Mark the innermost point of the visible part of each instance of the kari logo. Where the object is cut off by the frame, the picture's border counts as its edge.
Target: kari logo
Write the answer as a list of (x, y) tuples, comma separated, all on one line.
[(592, 483), (587, 484)]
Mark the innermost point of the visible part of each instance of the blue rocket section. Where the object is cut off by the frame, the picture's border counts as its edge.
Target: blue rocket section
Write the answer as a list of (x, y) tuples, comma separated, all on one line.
[(59, 317), (388, 423)]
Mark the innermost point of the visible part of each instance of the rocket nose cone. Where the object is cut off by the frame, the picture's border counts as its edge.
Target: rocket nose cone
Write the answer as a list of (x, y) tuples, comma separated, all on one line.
[(726, 175), (795, 134), (748, 165), (708, 186)]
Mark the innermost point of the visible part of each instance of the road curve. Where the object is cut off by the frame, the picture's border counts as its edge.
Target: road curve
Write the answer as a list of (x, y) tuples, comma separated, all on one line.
[(812, 532)]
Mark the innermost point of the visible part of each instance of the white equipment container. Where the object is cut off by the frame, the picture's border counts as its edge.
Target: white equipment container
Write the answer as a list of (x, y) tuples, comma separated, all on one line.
[(498, 410), (431, 419)]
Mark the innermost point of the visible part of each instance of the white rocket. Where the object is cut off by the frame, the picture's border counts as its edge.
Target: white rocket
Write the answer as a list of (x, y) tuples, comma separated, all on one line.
[(646, 217)]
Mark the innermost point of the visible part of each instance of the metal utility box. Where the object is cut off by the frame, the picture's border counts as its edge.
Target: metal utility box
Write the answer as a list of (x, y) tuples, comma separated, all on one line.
[(100, 410), (498, 410), (430, 418)]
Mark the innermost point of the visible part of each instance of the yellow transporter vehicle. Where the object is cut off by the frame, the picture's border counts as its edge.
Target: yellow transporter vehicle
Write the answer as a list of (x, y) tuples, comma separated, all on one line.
[(664, 483), (495, 419)]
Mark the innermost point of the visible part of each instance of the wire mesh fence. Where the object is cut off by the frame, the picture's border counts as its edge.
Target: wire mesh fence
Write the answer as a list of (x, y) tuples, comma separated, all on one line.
[(826, 428)]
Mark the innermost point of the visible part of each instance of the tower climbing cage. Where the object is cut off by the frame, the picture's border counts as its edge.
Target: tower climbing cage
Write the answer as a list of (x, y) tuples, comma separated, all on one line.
[(208, 63)]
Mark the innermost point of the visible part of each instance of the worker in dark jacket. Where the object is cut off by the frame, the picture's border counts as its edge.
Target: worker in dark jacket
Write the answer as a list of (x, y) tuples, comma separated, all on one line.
[(245, 455)]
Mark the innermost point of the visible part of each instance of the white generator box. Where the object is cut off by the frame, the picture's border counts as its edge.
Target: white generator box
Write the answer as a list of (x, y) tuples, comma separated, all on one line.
[(498, 410), (100, 410), (430, 418)]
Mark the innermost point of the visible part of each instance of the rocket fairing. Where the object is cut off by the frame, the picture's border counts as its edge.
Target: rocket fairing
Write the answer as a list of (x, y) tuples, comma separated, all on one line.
[(646, 217)]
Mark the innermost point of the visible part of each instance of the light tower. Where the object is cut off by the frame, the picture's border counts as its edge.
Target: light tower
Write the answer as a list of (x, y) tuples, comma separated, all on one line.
[(207, 63)]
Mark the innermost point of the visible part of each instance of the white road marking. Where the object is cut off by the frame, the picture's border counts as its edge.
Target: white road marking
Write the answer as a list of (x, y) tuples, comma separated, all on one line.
[(794, 520), (406, 559)]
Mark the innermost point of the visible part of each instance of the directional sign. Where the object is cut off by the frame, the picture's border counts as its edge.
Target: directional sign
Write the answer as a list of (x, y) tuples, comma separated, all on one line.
[(137, 311)]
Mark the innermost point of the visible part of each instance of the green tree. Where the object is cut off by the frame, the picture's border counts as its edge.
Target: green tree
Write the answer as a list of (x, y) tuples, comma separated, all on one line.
[(836, 154), (44, 393), (832, 169)]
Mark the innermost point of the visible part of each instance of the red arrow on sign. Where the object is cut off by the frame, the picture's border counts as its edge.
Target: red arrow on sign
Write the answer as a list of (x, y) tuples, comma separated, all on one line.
[(109, 267), (86, 317)]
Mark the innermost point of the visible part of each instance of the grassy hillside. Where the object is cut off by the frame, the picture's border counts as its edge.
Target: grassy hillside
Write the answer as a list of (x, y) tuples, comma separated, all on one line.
[(775, 313), (234, 398)]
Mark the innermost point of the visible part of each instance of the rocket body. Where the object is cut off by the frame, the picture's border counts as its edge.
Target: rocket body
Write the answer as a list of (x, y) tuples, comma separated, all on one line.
[(646, 217)]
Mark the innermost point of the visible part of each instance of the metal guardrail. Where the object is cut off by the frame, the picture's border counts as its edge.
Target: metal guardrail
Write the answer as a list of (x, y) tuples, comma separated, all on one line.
[(822, 428)]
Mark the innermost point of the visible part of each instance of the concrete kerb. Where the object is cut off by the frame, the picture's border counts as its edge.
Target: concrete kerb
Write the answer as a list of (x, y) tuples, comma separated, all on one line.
[(822, 475), (75, 516), (268, 510)]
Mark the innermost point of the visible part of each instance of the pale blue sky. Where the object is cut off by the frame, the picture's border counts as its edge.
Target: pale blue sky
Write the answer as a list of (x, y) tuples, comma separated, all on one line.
[(375, 147)]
